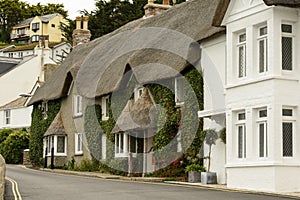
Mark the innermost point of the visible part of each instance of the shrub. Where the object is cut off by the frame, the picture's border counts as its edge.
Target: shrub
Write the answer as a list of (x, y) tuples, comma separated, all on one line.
[(4, 133), (195, 168), (11, 148)]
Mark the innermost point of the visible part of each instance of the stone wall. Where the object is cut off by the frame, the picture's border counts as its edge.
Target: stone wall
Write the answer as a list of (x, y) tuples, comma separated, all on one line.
[(2, 177)]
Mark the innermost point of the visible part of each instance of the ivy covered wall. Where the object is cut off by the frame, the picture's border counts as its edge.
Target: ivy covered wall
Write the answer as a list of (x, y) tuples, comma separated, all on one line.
[(168, 122), (39, 125)]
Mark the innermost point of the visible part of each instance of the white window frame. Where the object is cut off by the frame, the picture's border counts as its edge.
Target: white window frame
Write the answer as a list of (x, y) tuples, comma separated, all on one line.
[(292, 120), (77, 105), (52, 142), (7, 117), (179, 89), (241, 124), (105, 108), (241, 44), (123, 140), (262, 121), (264, 39), (292, 36), (78, 143)]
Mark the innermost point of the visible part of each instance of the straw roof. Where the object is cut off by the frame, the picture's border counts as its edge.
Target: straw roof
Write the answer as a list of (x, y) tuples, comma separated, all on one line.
[(99, 65), (56, 127), (137, 115)]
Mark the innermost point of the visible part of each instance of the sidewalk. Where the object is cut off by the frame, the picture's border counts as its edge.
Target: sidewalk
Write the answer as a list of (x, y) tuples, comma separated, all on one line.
[(161, 180)]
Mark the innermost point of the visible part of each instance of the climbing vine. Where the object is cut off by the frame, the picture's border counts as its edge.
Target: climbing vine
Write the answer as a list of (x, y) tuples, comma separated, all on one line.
[(39, 125)]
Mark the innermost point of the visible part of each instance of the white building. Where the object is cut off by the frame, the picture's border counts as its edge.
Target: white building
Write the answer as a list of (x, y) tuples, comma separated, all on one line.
[(254, 92), (22, 70)]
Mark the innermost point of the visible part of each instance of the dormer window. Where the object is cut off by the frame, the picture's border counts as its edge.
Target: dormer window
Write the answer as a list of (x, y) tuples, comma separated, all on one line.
[(35, 26), (263, 49), (241, 46), (287, 46)]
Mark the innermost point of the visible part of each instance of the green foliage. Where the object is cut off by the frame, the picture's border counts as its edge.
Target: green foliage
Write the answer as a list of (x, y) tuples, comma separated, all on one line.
[(195, 168), (211, 137), (4, 133), (11, 148), (67, 30), (175, 169), (223, 135), (71, 164), (87, 165), (39, 126)]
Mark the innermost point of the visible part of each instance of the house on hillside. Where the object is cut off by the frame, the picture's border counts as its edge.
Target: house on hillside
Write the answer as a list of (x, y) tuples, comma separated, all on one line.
[(58, 51), (246, 51), (38, 28), (22, 70)]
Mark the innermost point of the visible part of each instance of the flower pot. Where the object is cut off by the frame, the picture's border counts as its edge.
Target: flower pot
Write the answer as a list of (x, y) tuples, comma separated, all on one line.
[(209, 178), (194, 177)]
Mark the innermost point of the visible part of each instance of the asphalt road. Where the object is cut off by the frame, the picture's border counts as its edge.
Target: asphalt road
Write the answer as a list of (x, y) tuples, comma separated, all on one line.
[(38, 185)]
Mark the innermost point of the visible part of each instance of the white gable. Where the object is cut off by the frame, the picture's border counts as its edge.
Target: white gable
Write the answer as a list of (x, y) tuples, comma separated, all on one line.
[(239, 8)]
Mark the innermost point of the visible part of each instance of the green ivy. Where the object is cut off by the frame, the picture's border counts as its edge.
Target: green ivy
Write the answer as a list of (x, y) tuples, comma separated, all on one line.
[(39, 126)]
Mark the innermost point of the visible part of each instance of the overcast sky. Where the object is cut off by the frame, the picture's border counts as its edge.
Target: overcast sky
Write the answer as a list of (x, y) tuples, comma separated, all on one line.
[(72, 6)]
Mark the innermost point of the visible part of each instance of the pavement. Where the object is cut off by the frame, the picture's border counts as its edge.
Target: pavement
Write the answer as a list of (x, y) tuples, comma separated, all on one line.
[(162, 180)]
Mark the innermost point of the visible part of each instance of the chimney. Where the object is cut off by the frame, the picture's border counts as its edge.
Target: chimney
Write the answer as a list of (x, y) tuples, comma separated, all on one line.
[(81, 34), (152, 9)]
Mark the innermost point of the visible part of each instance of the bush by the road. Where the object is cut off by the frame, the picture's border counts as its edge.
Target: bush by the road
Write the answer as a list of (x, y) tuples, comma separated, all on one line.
[(13, 144)]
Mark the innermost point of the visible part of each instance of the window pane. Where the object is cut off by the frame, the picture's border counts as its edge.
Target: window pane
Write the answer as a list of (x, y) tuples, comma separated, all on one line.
[(261, 56), (261, 140), (287, 139), (287, 112), (287, 28), (242, 37), (287, 53), (60, 144), (106, 107), (263, 113), (242, 61), (79, 142), (240, 141), (121, 143), (263, 31), (241, 116)]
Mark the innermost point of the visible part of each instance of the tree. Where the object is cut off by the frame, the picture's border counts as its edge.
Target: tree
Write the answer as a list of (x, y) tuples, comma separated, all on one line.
[(210, 139), (110, 15)]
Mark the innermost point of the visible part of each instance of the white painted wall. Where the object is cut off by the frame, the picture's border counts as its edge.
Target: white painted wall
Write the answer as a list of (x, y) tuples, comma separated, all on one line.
[(213, 61), (23, 77), (20, 118)]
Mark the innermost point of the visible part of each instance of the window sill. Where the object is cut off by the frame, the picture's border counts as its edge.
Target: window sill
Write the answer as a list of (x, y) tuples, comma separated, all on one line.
[(79, 154), (78, 115)]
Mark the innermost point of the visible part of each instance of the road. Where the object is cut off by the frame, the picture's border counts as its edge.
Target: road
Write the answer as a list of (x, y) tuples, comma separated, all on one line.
[(38, 185)]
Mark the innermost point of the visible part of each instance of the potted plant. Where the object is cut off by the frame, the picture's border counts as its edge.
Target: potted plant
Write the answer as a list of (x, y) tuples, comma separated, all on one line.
[(194, 172), (210, 139)]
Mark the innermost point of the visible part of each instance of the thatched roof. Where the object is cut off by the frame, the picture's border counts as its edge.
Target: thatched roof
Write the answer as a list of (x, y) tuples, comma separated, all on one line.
[(167, 39), (288, 3), (56, 127), (137, 115)]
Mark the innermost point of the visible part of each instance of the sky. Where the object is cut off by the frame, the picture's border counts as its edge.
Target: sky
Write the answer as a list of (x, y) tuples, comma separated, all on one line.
[(72, 6)]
